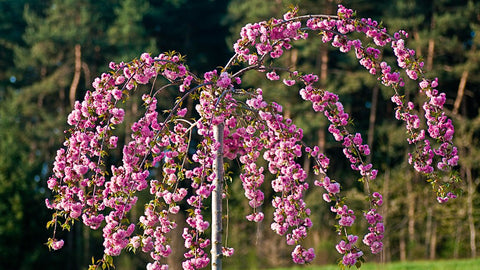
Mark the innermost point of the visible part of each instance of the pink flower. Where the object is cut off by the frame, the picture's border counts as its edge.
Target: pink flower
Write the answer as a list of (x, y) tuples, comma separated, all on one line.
[(275, 137), (224, 80), (80, 169), (117, 93), (227, 252), (350, 258), (112, 65), (113, 142), (146, 58), (135, 242), (76, 210), (182, 112), (300, 255), (288, 82), (423, 84), (117, 115), (376, 247), (442, 199), (119, 80), (255, 217), (377, 198), (333, 188), (156, 266), (57, 244), (252, 59), (273, 76)]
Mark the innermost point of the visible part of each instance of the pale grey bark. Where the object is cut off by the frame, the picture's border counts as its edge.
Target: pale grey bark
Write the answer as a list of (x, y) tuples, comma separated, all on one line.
[(216, 238)]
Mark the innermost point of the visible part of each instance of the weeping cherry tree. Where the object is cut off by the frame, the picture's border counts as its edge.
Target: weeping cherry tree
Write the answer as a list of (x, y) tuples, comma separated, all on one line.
[(236, 123)]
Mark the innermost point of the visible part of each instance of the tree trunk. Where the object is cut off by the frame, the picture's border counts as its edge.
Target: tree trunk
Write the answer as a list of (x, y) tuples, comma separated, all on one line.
[(386, 254), (86, 74), (416, 37), (460, 92), (322, 63), (458, 236), (433, 241), (402, 245), (76, 74), (411, 216), (471, 220), (428, 231), (431, 51), (463, 83), (371, 121), (431, 43), (86, 245), (216, 252)]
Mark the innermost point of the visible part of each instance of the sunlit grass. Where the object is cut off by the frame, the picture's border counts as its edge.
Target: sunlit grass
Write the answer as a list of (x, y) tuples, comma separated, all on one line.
[(464, 264)]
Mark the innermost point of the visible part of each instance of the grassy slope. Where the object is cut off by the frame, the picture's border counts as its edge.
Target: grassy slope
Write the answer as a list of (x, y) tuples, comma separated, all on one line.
[(466, 264)]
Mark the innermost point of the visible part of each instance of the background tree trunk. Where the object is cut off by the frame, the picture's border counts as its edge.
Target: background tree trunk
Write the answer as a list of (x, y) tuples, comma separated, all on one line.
[(433, 241), (461, 91), (411, 216), (471, 221), (428, 230), (402, 245), (76, 74), (371, 120), (386, 253)]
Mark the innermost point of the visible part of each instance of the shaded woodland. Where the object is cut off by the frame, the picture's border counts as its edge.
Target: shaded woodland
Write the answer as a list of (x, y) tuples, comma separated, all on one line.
[(50, 51)]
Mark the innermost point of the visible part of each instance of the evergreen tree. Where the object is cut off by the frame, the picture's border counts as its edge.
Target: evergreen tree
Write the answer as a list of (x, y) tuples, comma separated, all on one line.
[(12, 25), (191, 27), (127, 34), (22, 192), (54, 61)]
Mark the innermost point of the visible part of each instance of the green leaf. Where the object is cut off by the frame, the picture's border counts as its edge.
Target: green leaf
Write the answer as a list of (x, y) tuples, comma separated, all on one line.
[(50, 223)]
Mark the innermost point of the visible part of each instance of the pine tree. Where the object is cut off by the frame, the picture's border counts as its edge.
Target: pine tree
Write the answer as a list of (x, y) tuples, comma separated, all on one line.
[(53, 64), (22, 192), (127, 34)]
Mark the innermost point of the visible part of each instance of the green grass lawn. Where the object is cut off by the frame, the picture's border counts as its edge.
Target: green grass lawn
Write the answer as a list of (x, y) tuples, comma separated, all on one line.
[(466, 264)]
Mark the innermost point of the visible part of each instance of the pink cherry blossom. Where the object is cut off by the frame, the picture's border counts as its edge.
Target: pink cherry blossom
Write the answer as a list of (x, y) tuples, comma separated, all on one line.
[(57, 244)]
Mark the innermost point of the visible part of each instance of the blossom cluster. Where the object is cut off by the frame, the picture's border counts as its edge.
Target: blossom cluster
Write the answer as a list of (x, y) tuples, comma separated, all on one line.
[(80, 176), (335, 30), (439, 127), (271, 38), (268, 132), (355, 151)]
